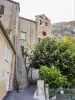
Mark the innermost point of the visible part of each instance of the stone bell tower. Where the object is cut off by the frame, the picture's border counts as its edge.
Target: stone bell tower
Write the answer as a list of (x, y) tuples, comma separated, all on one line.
[(43, 26)]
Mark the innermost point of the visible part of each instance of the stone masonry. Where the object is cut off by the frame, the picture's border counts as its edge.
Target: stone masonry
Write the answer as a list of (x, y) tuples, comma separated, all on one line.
[(10, 21), (33, 32)]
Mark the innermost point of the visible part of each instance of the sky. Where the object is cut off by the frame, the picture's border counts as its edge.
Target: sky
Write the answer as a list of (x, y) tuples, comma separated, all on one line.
[(55, 10)]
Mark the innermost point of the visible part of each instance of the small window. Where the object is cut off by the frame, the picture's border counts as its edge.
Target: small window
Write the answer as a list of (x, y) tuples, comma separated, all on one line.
[(46, 23), (7, 54), (23, 36), (41, 20), (1, 9), (44, 33)]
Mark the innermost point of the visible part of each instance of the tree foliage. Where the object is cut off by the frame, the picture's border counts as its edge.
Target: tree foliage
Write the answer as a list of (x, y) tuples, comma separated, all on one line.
[(67, 39), (59, 53), (53, 77)]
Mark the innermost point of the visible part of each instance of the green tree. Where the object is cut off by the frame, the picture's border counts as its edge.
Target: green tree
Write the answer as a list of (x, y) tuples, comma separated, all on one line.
[(59, 53), (67, 39), (53, 77)]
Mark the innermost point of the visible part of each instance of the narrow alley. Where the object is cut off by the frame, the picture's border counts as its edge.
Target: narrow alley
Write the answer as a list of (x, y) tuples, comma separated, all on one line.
[(27, 94)]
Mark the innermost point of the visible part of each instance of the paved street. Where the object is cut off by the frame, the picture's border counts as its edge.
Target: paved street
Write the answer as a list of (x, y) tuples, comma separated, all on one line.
[(27, 94)]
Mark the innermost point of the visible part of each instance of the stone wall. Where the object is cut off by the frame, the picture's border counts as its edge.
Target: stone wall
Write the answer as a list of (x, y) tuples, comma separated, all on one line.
[(10, 20), (20, 69), (43, 25), (29, 27), (42, 92), (33, 75), (34, 30)]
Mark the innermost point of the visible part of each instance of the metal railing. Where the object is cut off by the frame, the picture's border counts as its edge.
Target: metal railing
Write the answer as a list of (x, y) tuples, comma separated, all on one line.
[(62, 94)]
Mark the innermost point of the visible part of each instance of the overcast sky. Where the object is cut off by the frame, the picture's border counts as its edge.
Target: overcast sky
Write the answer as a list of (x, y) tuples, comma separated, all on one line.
[(56, 10)]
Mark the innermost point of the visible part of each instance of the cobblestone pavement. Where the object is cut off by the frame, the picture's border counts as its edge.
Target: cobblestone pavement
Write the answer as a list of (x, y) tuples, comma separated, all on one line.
[(27, 94)]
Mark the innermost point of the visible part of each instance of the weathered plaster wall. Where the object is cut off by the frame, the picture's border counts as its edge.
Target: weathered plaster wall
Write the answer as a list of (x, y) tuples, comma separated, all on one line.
[(10, 20), (29, 27), (20, 70)]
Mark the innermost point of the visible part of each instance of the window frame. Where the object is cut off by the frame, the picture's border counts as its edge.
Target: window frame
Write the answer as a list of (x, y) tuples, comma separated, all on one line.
[(1, 9), (46, 23), (22, 32), (41, 20), (7, 54)]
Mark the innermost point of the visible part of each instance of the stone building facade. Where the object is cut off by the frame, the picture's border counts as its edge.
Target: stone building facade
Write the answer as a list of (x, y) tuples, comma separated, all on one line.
[(10, 21), (10, 18), (43, 26), (27, 33), (23, 33), (32, 31)]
